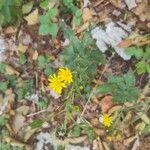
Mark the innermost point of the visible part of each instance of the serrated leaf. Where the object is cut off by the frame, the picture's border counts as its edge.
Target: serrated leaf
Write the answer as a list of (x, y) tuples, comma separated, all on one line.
[(52, 12), (135, 51), (53, 29), (3, 86)]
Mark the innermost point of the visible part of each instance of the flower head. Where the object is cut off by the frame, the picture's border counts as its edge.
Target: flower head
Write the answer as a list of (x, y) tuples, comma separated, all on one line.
[(56, 84), (65, 75), (106, 120), (109, 138)]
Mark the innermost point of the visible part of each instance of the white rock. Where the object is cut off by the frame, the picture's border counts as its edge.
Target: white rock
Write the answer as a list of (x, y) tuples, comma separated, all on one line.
[(131, 4), (44, 138), (72, 147), (111, 36), (86, 3), (3, 47)]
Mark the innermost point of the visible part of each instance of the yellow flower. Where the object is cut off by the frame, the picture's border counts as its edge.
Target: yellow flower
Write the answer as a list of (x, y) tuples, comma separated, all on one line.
[(65, 75), (56, 84), (106, 120), (109, 138)]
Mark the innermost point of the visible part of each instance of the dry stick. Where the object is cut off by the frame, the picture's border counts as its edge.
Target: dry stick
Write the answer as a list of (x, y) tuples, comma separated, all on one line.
[(106, 66), (33, 114), (93, 90)]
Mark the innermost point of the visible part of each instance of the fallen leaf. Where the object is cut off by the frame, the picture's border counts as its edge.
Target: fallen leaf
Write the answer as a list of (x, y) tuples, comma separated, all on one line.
[(35, 55), (32, 18), (29, 133), (100, 132), (14, 142), (87, 14), (11, 71), (18, 122), (106, 147), (125, 43), (23, 109), (106, 103), (10, 30), (116, 3), (21, 48), (128, 141), (114, 109)]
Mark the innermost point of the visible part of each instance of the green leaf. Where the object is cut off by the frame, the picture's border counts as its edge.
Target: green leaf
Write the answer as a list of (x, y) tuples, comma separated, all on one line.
[(130, 78), (44, 29), (44, 19), (48, 70), (3, 86), (141, 67), (26, 8), (135, 51), (3, 121), (52, 12), (53, 29), (42, 61), (44, 4), (76, 131), (2, 67), (22, 59), (36, 123)]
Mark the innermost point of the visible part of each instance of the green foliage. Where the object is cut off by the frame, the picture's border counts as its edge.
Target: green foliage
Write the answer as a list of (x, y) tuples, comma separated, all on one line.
[(10, 11), (143, 56), (77, 13), (42, 103), (2, 67), (3, 86), (47, 26), (44, 62), (122, 88), (4, 145), (25, 88), (37, 123), (3, 121), (86, 128), (22, 59), (82, 57)]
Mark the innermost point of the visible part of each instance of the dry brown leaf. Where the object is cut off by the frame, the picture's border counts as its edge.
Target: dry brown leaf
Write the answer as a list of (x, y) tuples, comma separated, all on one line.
[(106, 146), (14, 142), (21, 48), (114, 109), (87, 14), (29, 133), (35, 55), (116, 3), (106, 103), (10, 30), (23, 109), (125, 43), (128, 141), (100, 132), (100, 145), (32, 18), (18, 122), (11, 71)]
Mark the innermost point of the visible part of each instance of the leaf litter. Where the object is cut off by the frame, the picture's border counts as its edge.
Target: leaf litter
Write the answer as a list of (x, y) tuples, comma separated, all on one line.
[(122, 24)]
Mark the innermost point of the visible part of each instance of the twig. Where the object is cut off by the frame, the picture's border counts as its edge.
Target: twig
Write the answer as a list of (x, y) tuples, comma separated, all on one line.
[(79, 119), (36, 113), (106, 66)]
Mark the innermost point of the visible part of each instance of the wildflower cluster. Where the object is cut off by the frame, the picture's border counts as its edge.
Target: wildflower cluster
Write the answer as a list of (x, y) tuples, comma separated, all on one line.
[(106, 120), (60, 81)]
